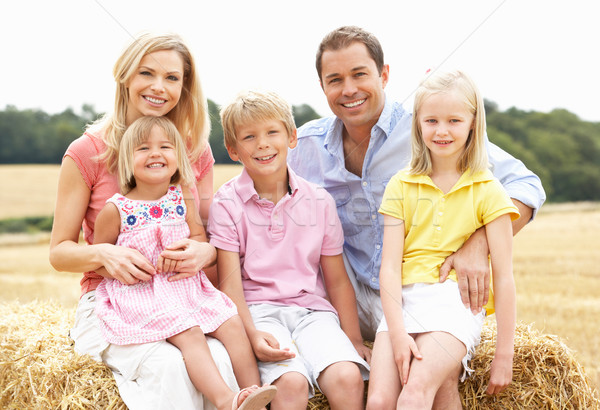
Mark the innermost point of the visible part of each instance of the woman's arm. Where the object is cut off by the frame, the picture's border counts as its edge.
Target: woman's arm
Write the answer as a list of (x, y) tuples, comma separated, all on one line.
[(66, 254), (341, 293), (499, 236), (390, 280)]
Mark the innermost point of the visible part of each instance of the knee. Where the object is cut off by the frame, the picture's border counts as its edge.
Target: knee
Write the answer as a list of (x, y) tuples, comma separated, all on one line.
[(292, 383), (342, 377), (380, 400)]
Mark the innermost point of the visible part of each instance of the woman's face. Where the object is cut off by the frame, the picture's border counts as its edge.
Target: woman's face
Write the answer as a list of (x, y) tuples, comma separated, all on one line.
[(156, 86)]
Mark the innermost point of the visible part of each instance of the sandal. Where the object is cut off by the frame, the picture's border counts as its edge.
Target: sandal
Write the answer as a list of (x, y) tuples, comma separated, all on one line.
[(259, 398)]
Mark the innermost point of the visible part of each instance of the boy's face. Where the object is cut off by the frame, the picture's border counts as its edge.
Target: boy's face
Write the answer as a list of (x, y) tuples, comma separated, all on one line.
[(262, 147)]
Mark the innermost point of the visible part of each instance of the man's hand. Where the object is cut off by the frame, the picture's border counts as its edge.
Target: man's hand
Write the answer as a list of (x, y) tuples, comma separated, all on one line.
[(472, 269)]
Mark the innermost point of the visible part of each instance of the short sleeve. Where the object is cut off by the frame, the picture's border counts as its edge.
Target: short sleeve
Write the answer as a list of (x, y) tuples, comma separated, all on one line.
[(204, 164), (333, 238), (393, 197), (85, 151), (222, 227), (497, 203)]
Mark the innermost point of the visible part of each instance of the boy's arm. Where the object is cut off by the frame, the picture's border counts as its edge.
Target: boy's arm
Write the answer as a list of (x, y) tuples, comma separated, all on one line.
[(390, 280), (499, 236), (265, 346), (341, 293)]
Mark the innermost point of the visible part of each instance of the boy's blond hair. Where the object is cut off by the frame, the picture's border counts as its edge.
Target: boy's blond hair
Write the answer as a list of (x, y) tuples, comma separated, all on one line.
[(475, 154), (252, 106), (138, 133)]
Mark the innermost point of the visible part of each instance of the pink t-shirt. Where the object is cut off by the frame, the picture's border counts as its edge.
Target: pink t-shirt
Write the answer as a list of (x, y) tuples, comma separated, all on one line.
[(84, 151), (280, 245)]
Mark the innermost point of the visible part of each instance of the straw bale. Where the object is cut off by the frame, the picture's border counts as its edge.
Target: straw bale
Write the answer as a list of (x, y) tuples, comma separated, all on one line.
[(39, 369)]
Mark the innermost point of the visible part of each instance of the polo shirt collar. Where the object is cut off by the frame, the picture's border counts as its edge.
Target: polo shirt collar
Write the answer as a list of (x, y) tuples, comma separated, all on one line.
[(244, 186), (466, 179)]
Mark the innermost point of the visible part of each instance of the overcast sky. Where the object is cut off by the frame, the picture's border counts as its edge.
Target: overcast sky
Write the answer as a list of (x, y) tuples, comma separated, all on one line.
[(534, 55)]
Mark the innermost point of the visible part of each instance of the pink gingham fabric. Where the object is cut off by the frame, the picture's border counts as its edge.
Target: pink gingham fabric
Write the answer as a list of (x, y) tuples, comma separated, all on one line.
[(157, 309)]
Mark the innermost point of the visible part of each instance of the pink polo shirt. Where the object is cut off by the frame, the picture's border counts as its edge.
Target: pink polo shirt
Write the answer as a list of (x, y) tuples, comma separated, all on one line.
[(280, 245)]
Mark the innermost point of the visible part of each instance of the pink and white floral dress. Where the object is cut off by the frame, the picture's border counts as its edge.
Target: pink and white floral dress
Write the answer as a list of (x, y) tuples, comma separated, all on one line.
[(157, 309)]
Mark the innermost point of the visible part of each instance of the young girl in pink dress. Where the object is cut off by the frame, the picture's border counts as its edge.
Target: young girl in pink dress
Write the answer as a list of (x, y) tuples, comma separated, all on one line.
[(151, 214)]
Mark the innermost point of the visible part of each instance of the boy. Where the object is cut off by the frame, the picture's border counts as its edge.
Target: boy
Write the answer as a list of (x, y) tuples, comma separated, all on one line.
[(274, 233)]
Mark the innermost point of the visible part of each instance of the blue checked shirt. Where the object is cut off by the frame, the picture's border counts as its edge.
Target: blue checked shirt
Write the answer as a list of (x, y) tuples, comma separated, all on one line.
[(319, 158)]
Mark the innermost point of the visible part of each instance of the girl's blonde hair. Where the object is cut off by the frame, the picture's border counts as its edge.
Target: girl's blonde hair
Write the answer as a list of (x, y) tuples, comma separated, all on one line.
[(190, 115), (255, 105), (474, 156), (137, 134)]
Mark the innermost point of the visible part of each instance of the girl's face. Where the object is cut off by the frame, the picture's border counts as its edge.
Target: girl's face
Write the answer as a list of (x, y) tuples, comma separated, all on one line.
[(445, 123), (154, 160), (156, 86)]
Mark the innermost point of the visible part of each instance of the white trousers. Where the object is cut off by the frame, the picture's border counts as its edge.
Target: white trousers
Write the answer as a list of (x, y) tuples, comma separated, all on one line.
[(150, 375)]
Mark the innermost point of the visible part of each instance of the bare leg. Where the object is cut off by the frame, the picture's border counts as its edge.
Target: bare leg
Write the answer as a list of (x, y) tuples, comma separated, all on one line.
[(343, 386), (384, 382), (442, 355), (233, 336), (448, 397), (202, 369), (292, 392)]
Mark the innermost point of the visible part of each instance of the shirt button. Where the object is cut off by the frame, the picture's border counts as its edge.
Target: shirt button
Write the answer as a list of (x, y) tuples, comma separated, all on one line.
[(373, 280), (364, 183), (373, 216), (378, 246), (440, 213), (439, 228)]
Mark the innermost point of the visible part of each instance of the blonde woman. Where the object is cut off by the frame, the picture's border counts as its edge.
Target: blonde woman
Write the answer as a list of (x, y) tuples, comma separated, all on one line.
[(155, 75)]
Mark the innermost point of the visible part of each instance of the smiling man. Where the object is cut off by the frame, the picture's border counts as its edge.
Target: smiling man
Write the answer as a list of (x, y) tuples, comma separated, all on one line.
[(354, 154)]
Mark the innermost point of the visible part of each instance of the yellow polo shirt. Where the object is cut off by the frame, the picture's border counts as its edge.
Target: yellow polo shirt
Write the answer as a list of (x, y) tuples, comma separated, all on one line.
[(437, 224)]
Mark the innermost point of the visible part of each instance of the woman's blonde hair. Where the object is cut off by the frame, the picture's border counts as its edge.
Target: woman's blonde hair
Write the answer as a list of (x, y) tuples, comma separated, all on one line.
[(474, 156), (190, 115), (137, 134), (255, 105)]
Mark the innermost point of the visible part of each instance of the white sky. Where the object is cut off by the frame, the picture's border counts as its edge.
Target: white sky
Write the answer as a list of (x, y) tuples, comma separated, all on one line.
[(534, 55)]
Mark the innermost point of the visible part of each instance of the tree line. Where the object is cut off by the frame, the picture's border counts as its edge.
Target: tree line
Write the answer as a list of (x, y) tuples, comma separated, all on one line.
[(563, 150)]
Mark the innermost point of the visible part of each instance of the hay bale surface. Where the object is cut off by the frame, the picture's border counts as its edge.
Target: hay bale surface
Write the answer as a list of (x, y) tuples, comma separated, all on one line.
[(39, 369)]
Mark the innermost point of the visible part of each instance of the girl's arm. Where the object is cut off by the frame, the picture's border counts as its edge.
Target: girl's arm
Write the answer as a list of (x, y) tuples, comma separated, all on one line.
[(341, 293), (499, 236), (66, 254), (265, 346), (390, 280), (188, 256)]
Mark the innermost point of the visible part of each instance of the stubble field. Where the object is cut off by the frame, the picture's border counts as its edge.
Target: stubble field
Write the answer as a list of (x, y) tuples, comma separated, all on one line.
[(556, 260)]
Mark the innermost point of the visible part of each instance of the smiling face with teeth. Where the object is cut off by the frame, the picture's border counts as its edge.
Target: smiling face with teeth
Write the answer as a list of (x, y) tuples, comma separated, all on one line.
[(354, 87), (262, 147), (156, 86), (154, 161)]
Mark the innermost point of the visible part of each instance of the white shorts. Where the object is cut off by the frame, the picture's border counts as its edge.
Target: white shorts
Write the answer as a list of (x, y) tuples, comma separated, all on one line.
[(368, 303), (437, 307), (149, 375), (315, 336)]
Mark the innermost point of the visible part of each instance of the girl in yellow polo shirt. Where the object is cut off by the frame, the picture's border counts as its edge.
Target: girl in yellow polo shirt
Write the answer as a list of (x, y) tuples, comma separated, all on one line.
[(430, 210)]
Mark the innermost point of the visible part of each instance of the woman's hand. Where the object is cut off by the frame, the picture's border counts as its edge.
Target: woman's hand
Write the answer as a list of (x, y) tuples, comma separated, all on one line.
[(186, 258), (126, 265)]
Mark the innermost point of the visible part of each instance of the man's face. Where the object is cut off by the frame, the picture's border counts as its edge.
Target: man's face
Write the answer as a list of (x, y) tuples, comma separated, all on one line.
[(353, 85)]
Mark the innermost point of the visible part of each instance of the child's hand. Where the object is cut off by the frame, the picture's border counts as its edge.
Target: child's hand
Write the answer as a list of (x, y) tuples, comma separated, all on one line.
[(500, 375), (363, 351), (404, 349), (266, 348), (186, 258)]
